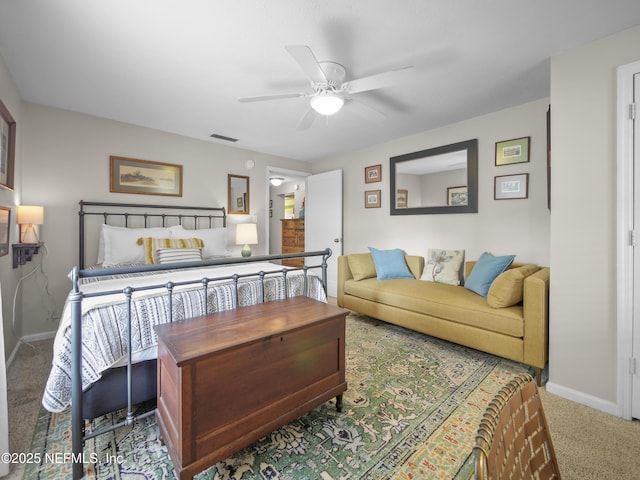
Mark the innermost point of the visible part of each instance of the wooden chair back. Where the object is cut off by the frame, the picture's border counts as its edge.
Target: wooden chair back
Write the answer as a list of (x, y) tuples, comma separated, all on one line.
[(513, 440)]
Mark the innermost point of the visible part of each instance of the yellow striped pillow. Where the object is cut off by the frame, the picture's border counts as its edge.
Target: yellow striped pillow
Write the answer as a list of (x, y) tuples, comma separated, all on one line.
[(152, 244)]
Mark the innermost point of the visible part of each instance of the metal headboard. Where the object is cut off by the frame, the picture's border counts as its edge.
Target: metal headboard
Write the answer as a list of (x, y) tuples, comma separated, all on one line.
[(148, 215)]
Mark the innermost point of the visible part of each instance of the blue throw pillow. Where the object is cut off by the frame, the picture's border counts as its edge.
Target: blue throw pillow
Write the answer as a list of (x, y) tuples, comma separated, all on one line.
[(390, 264), (485, 271)]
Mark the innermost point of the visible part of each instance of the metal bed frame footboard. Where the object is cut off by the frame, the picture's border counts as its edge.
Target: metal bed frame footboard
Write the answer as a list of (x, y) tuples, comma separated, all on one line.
[(79, 436), (149, 215)]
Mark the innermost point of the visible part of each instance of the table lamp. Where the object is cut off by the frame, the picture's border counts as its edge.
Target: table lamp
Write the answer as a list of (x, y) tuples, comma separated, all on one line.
[(29, 217), (246, 234)]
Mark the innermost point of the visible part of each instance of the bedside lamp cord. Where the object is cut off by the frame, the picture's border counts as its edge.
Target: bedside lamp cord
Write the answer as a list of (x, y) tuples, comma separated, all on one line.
[(15, 295)]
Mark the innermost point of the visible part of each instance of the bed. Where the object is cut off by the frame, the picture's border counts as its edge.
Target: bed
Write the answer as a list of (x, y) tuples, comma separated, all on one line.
[(154, 264)]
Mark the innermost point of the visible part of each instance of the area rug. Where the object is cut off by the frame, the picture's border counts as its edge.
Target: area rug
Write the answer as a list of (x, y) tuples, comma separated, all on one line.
[(411, 411)]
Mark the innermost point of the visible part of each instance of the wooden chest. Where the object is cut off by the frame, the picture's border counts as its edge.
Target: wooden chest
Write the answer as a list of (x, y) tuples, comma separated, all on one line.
[(293, 240), (227, 379)]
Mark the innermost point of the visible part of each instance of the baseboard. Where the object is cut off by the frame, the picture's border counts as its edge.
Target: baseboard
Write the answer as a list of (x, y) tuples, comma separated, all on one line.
[(12, 357), (584, 399), (36, 337)]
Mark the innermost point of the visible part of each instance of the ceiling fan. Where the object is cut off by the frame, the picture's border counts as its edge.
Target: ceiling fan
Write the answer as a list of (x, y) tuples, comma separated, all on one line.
[(329, 91)]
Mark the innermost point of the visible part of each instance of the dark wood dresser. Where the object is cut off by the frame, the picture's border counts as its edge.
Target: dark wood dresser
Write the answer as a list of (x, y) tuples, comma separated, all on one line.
[(293, 240), (227, 379)]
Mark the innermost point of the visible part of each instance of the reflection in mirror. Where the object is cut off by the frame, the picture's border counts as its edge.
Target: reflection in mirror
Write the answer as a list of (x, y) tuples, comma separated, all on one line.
[(238, 194), (438, 180)]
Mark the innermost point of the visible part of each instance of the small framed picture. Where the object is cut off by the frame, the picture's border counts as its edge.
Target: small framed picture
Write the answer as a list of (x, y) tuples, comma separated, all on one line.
[(5, 224), (511, 186), (401, 198), (372, 199), (373, 174), (457, 195), (513, 151)]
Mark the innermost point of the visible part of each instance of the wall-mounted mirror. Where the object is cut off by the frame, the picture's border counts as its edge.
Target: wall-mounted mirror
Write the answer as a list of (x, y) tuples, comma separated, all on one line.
[(238, 191), (438, 180)]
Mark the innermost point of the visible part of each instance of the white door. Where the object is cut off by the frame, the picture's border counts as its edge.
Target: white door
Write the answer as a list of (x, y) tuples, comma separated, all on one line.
[(323, 220), (635, 379)]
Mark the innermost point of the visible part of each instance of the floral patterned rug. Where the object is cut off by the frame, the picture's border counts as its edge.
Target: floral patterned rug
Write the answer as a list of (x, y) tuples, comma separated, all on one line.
[(411, 411)]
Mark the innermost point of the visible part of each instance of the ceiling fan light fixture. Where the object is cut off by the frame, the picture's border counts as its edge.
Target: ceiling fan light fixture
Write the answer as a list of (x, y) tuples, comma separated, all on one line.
[(326, 103), (276, 181)]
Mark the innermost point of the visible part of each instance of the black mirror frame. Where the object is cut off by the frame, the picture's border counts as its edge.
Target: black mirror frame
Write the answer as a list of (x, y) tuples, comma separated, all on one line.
[(471, 146)]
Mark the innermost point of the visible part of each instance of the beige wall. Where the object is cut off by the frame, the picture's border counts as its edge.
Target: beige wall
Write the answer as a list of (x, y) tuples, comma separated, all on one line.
[(8, 276), (518, 227), (66, 159), (63, 157), (583, 219)]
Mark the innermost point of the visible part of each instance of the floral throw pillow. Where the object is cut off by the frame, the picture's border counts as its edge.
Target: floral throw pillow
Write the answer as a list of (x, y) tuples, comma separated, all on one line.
[(443, 266)]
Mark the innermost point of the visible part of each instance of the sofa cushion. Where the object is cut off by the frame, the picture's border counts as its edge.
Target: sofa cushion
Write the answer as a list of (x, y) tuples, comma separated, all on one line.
[(443, 266), (361, 266), (507, 289), (439, 300), (487, 268), (390, 264)]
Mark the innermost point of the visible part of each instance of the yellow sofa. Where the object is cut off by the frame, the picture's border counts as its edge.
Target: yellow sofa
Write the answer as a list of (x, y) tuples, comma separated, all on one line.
[(519, 332)]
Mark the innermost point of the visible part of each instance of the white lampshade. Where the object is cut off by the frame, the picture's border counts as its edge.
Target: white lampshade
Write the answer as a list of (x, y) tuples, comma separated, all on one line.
[(326, 103), (29, 217), (246, 234)]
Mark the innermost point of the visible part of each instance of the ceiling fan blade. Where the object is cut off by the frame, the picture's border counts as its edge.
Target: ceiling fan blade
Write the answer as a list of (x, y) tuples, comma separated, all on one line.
[(380, 80), (307, 60), (307, 120), (271, 97), (366, 111)]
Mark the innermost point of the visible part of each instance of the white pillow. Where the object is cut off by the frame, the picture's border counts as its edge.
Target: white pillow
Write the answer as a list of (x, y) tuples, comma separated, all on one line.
[(215, 241), (120, 245), (177, 231)]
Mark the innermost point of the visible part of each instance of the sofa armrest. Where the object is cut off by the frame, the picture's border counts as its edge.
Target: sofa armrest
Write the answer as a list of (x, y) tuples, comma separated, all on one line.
[(344, 274), (415, 264), (536, 318)]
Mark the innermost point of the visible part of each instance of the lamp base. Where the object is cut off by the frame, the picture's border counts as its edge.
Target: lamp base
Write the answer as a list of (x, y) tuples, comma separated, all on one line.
[(29, 233), (246, 251)]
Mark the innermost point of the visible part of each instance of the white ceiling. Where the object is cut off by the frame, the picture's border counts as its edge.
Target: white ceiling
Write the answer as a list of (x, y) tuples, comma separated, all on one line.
[(180, 66)]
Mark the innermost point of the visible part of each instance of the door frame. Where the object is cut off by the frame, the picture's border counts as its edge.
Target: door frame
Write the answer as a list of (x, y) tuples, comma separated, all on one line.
[(275, 171), (625, 224)]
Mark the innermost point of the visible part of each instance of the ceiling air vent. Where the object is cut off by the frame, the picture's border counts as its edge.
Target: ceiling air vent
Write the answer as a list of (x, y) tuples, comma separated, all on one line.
[(222, 137)]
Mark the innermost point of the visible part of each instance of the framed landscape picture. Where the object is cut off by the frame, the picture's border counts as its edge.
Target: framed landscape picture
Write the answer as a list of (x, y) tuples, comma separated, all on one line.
[(129, 175), (7, 147), (511, 186), (373, 174), (5, 224), (458, 195), (402, 198), (513, 151), (372, 199)]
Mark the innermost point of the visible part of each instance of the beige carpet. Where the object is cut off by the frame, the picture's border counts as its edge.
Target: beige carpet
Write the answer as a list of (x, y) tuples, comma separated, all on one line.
[(589, 444)]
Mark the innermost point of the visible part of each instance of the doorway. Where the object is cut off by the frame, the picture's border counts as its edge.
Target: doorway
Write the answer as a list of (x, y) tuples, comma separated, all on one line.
[(291, 185), (628, 243)]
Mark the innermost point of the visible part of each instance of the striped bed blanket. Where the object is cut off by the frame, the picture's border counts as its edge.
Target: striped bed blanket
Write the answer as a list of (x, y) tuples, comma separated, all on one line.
[(105, 317)]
